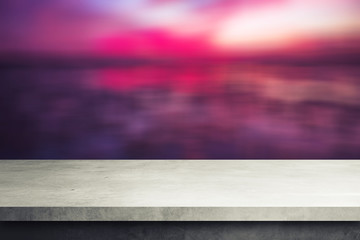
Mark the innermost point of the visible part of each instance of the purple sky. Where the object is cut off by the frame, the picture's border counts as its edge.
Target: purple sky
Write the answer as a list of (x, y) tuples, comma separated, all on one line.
[(228, 25)]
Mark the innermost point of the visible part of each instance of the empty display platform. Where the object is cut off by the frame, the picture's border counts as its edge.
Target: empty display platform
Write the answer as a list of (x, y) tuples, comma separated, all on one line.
[(180, 190)]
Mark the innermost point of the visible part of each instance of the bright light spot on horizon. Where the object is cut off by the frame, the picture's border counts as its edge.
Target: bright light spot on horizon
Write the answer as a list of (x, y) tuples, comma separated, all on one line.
[(279, 25)]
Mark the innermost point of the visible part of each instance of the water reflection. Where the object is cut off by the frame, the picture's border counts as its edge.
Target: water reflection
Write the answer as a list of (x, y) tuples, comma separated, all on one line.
[(223, 111)]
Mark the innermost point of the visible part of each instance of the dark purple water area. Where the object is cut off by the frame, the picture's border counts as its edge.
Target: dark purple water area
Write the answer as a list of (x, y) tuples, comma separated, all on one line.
[(222, 111)]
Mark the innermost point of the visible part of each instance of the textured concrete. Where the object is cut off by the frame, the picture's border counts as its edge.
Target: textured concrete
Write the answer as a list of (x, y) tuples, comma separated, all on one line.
[(179, 214), (150, 190)]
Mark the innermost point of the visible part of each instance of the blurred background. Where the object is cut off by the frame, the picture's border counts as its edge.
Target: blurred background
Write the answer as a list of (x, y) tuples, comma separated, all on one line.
[(171, 79)]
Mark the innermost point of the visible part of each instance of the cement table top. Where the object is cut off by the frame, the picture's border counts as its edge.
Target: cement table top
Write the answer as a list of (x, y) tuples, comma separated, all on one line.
[(179, 190)]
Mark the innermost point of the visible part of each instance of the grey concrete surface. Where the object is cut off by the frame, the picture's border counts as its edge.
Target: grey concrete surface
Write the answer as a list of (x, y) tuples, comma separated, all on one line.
[(180, 190)]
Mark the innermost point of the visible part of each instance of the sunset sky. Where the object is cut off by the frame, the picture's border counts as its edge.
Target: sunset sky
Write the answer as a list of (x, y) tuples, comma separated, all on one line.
[(172, 26)]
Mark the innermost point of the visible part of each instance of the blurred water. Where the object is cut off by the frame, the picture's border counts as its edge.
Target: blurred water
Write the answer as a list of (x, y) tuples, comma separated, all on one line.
[(223, 111)]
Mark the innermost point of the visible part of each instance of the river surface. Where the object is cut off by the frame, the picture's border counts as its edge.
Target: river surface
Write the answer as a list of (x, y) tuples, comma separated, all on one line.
[(223, 111)]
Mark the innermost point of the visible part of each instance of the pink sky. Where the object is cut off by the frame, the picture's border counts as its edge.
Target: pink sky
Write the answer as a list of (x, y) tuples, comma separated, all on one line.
[(173, 26)]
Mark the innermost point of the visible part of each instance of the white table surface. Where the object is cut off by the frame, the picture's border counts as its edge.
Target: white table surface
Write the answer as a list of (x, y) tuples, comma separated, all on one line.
[(180, 190)]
